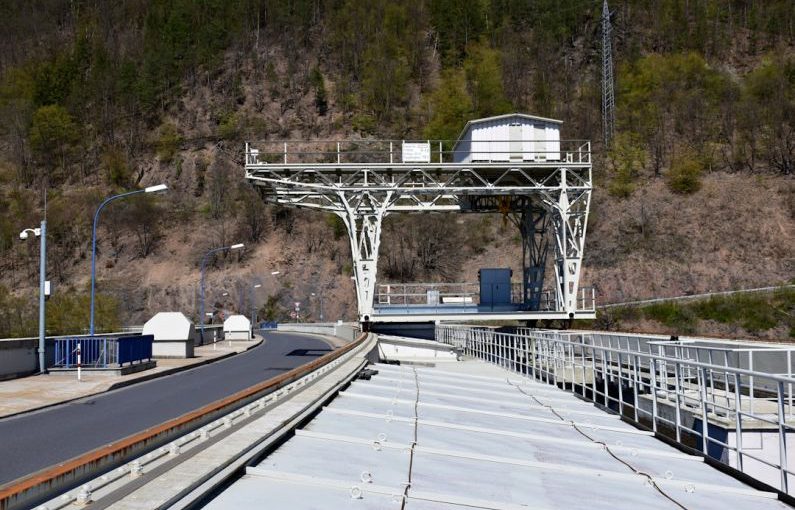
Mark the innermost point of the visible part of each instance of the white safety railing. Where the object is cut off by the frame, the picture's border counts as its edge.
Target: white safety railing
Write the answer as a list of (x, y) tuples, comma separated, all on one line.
[(695, 394), (343, 152), (467, 294)]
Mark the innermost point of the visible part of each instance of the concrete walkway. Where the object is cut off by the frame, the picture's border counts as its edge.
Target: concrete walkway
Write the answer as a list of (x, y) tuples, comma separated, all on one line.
[(39, 391)]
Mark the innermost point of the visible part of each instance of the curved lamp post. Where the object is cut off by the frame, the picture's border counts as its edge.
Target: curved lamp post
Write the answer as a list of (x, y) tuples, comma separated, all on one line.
[(201, 288), (320, 296), (253, 307), (40, 232), (150, 189)]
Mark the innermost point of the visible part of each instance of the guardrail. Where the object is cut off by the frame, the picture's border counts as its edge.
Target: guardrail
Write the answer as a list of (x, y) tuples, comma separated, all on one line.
[(715, 405), (341, 152), (440, 295), (102, 352)]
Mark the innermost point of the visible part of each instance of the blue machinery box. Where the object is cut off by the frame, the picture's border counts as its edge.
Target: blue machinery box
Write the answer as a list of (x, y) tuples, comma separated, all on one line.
[(495, 286)]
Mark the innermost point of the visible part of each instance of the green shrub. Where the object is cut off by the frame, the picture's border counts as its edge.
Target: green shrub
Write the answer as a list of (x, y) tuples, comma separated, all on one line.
[(684, 176), (168, 142)]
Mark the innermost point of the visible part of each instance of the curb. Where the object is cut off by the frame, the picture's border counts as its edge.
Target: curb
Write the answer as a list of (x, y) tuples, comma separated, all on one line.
[(122, 384)]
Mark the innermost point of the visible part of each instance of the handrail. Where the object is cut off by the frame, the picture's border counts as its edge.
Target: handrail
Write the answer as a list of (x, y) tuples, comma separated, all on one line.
[(705, 390)]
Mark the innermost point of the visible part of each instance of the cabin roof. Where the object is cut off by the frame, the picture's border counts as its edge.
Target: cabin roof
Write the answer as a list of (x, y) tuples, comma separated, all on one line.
[(505, 116)]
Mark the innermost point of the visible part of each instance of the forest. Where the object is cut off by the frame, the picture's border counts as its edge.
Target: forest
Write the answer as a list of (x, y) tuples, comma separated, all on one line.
[(101, 97)]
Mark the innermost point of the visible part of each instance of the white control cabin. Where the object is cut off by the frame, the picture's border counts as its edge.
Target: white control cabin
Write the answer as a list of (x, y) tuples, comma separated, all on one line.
[(512, 137)]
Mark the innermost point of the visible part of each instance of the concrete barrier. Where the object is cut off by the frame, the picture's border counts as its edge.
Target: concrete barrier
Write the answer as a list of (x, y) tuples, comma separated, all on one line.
[(348, 332)]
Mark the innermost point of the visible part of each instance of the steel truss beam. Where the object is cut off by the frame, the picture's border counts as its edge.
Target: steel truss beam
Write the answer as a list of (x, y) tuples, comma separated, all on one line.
[(543, 197)]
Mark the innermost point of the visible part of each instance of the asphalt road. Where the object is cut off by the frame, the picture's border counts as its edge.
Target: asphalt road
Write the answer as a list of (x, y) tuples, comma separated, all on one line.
[(37, 440)]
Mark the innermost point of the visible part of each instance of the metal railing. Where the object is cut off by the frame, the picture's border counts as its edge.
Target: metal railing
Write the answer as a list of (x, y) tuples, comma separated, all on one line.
[(102, 352), (440, 295), (342, 152), (431, 294), (710, 404)]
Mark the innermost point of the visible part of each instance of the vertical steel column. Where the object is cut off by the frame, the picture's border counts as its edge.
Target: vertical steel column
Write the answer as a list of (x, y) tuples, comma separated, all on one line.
[(653, 393), (678, 404), (704, 417), (636, 384), (620, 385), (738, 419), (782, 440)]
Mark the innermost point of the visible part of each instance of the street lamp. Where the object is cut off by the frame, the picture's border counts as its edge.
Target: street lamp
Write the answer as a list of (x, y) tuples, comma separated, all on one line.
[(150, 189), (204, 262), (40, 232), (253, 307), (320, 296)]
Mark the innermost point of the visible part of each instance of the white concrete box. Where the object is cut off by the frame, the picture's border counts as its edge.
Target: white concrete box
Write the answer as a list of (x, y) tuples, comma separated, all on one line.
[(237, 327), (174, 335)]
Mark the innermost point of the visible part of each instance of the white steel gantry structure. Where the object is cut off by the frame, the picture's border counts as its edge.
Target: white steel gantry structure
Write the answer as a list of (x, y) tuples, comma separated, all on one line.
[(542, 185)]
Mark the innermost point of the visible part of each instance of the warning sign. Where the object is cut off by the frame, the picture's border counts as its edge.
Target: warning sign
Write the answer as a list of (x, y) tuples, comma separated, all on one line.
[(416, 152)]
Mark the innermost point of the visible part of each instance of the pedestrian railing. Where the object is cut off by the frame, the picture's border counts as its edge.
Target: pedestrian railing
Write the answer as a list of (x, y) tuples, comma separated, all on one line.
[(102, 352), (696, 400)]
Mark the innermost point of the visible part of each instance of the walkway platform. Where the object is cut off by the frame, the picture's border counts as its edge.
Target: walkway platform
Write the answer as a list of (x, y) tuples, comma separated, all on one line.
[(466, 434)]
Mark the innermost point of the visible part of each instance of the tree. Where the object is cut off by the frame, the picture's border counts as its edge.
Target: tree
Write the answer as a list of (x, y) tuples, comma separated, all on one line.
[(450, 107), (319, 87), (255, 218), (53, 133), (456, 23), (144, 216), (484, 81), (626, 159), (770, 90), (684, 176)]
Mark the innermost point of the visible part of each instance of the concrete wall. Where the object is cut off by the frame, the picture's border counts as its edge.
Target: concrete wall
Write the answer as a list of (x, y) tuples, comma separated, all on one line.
[(349, 332), (17, 358)]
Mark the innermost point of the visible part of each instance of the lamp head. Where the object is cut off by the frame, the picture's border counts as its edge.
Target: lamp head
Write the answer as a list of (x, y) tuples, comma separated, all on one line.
[(23, 235), (274, 273), (237, 246), (156, 188)]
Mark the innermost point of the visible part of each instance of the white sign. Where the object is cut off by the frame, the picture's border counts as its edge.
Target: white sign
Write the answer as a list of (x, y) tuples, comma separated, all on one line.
[(414, 152)]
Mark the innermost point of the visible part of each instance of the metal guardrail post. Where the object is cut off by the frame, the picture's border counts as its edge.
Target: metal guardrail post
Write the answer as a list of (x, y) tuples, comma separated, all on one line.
[(653, 372), (620, 386), (677, 388), (704, 416), (738, 419), (782, 439)]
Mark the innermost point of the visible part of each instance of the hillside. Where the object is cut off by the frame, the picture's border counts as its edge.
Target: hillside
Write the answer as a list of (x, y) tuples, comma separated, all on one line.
[(695, 195)]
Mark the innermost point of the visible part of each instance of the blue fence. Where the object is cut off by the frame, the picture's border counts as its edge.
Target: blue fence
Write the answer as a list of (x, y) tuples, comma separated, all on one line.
[(134, 348), (102, 352)]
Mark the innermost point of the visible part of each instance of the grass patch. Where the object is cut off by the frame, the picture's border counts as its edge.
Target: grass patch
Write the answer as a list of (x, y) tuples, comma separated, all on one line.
[(754, 312)]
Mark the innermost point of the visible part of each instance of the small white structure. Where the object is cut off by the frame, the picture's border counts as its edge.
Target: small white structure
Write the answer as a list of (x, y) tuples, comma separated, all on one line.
[(174, 335), (237, 327), (511, 137)]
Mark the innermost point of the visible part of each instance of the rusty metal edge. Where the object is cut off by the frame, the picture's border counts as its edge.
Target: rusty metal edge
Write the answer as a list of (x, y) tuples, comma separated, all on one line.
[(16, 488)]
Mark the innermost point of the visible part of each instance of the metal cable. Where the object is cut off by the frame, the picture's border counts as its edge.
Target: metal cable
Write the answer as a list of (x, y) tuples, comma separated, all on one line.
[(649, 478)]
